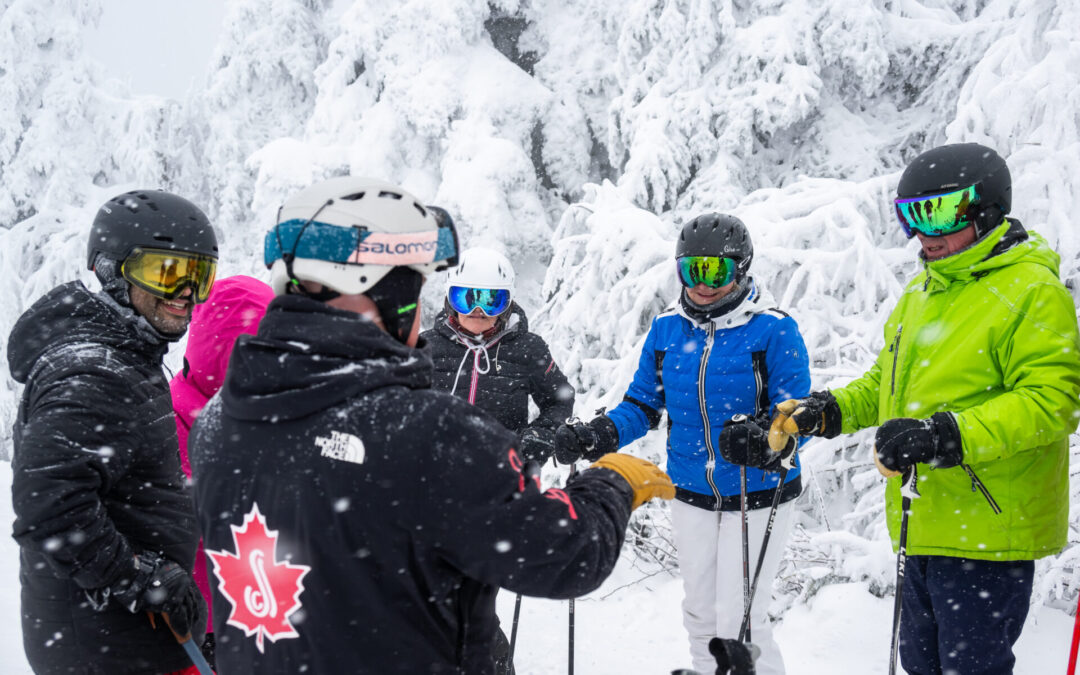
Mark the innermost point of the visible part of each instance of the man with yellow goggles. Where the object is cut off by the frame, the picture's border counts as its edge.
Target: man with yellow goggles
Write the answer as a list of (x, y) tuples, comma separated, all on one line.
[(166, 274), (122, 521)]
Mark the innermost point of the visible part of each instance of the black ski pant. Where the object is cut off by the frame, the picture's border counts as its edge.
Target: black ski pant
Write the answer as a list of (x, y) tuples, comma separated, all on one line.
[(961, 616)]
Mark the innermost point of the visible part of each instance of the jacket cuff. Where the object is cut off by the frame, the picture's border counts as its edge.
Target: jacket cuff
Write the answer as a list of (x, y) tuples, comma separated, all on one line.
[(607, 437), (833, 418), (950, 445)]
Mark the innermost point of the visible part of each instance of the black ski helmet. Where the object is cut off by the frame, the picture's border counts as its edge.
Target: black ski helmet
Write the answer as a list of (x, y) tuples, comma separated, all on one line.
[(717, 234), (149, 219), (960, 165)]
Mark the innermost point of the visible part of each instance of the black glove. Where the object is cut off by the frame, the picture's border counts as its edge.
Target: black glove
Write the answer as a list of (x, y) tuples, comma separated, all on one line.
[(161, 585), (575, 440), (733, 657), (537, 444), (816, 415), (902, 442), (744, 441)]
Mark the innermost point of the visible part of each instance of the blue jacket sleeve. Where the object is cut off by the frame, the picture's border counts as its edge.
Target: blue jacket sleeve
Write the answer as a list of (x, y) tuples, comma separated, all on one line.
[(788, 363), (640, 408)]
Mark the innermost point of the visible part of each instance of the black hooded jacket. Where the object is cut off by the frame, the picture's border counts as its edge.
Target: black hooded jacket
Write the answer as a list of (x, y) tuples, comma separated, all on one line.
[(96, 479), (498, 374), (395, 509)]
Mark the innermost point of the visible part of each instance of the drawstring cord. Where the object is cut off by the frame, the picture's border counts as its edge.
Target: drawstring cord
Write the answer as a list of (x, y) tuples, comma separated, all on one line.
[(476, 348)]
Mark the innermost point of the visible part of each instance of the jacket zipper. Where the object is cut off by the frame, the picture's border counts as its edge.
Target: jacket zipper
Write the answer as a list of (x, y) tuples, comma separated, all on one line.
[(895, 349), (475, 380), (711, 465), (977, 484)]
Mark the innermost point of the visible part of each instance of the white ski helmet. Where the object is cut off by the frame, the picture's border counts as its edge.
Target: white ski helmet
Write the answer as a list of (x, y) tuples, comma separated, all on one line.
[(483, 268), (348, 233)]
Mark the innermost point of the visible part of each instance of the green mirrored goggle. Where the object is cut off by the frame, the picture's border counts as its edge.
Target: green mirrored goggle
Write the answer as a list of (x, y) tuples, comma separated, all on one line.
[(713, 271)]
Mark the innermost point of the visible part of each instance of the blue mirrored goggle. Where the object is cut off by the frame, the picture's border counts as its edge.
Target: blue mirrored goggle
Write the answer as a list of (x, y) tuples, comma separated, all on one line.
[(490, 301)]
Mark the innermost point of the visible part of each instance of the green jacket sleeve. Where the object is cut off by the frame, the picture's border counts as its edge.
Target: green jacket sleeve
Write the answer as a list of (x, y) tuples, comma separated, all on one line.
[(1040, 365), (859, 401)]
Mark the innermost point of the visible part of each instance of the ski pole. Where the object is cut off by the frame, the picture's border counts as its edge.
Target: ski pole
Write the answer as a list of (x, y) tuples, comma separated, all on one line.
[(908, 491), (786, 463), (513, 635), (1075, 640), (745, 549), (197, 659), (570, 667)]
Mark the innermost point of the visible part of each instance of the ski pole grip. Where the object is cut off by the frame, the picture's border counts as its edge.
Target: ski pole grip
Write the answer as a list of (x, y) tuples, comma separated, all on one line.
[(179, 638)]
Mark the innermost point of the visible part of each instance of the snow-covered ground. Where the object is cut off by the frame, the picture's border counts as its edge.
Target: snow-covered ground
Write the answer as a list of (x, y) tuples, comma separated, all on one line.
[(634, 625)]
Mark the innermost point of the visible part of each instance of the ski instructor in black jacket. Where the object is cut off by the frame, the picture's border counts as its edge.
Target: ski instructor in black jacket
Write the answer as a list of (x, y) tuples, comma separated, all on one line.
[(356, 520), (104, 521)]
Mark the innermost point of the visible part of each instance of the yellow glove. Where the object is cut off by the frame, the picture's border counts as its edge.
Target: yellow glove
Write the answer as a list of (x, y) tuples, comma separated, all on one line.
[(783, 427), (645, 478), (816, 415)]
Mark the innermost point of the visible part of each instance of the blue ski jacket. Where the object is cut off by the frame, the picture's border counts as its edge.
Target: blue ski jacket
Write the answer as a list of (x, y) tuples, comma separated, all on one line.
[(743, 362)]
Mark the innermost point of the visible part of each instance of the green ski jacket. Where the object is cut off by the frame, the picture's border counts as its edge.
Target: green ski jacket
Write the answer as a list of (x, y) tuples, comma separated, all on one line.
[(990, 334)]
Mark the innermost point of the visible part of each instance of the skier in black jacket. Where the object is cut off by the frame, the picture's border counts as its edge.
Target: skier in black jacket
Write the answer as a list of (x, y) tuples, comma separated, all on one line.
[(104, 521), (483, 352), (356, 520)]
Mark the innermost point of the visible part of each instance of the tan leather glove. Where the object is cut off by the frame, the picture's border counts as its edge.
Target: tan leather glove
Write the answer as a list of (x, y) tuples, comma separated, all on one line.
[(645, 478), (816, 415), (783, 427)]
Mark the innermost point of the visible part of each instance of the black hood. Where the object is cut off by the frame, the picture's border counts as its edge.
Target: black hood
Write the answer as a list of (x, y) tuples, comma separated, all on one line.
[(508, 330), (70, 314), (308, 356)]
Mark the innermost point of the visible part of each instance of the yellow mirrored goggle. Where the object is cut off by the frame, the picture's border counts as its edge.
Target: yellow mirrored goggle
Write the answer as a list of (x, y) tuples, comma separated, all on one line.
[(167, 273)]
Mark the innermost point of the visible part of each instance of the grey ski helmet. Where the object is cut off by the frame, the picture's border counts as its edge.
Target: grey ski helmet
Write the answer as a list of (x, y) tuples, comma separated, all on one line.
[(960, 165), (148, 219), (717, 234)]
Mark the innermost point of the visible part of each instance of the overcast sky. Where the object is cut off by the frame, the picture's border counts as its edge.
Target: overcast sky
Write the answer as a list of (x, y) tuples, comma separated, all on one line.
[(159, 47)]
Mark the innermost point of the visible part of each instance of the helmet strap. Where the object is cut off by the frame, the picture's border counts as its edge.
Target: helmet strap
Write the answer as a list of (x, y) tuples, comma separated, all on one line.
[(295, 287)]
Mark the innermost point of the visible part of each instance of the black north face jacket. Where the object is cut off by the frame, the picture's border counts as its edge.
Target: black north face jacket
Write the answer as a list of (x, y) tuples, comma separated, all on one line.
[(358, 521), (96, 479), (500, 373)]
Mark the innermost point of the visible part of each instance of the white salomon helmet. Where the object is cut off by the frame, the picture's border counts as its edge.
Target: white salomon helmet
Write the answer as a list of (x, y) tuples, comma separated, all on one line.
[(348, 233), (483, 268)]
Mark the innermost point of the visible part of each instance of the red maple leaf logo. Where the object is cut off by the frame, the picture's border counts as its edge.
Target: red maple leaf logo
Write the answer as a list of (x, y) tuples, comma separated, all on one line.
[(262, 591)]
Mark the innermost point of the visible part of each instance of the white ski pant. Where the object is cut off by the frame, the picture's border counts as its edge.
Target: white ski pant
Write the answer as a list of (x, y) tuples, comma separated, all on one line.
[(709, 547)]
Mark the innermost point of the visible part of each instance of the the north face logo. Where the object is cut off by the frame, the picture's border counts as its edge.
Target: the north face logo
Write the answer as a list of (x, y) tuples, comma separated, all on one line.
[(341, 446)]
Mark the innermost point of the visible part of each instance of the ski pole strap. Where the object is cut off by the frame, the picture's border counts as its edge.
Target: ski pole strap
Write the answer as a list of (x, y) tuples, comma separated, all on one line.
[(978, 484)]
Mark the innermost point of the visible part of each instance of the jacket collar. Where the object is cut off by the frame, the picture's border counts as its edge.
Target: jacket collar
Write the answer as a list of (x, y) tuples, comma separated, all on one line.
[(757, 301)]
